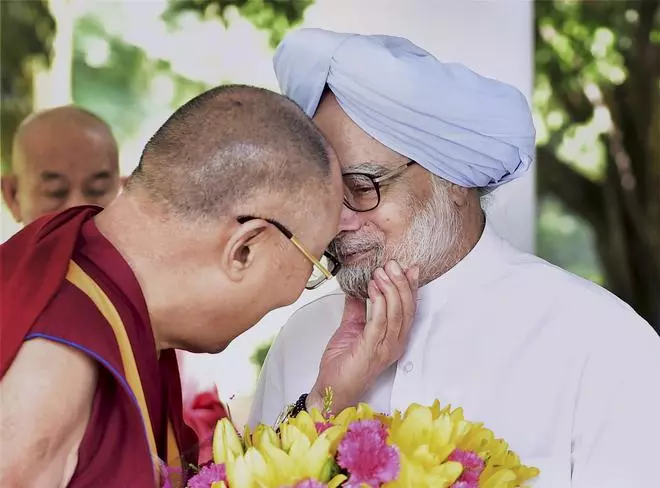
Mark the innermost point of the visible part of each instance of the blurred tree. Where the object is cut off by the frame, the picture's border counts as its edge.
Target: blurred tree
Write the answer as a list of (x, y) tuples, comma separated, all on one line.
[(276, 16), (26, 34), (598, 93), (115, 79)]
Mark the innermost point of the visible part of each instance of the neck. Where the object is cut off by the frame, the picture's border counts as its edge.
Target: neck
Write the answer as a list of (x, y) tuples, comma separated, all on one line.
[(471, 229), (127, 226)]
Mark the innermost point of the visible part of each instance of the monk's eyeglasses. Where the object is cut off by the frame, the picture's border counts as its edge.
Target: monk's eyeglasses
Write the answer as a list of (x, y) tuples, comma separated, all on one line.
[(362, 190), (323, 269)]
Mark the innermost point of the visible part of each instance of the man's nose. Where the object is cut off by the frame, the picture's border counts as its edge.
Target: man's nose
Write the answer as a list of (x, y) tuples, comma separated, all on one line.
[(349, 221), (76, 199)]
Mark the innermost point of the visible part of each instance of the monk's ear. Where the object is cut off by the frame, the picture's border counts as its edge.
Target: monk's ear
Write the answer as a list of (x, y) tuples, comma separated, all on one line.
[(240, 249), (459, 195), (10, 195)]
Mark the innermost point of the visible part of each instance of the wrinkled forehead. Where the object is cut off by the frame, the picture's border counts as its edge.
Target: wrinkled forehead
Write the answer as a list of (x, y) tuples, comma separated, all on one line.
[(355, 148)]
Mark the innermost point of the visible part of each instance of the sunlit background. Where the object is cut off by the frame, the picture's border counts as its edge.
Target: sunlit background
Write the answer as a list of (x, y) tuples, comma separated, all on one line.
[(133, 62)]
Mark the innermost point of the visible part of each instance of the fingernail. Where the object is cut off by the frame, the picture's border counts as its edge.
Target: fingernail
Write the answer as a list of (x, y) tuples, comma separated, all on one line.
[(394, 268), (380, 273)]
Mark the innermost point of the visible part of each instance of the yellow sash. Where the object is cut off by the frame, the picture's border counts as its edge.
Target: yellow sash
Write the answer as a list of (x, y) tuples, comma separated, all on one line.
[(88, 286)]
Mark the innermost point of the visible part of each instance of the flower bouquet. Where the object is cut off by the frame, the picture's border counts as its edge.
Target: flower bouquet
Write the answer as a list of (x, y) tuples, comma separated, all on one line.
[(424, 447)]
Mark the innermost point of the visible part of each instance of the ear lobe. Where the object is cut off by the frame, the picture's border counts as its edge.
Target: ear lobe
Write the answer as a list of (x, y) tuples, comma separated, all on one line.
[(9, 185), (241, 247)]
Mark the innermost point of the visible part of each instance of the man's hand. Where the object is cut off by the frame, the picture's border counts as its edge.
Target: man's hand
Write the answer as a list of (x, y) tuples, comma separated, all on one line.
[(361, 350), (45, 402)]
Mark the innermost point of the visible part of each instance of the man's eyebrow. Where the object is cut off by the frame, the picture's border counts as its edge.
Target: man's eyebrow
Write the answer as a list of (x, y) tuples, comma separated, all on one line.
[(369, 168), (101, 175), (50, 175)]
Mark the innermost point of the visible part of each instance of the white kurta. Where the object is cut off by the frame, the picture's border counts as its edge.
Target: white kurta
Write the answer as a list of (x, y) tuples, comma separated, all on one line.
[(564, 371)]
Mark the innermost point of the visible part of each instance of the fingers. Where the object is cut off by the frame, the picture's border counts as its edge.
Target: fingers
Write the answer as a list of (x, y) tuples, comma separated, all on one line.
[(354, 310), (410, 307), (393, 294), (375, 328), (405, 283), (413, 278), (391, 284)]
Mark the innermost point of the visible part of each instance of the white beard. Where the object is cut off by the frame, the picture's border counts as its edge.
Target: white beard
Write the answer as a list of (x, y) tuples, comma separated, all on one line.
[(427, 243)]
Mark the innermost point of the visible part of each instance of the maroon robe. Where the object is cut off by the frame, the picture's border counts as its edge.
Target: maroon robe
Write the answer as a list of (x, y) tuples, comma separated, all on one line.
[(40, 303)]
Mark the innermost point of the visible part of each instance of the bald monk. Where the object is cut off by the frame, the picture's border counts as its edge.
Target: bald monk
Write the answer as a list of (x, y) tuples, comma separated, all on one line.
[(61, 157), (67, 156), (226, 217)]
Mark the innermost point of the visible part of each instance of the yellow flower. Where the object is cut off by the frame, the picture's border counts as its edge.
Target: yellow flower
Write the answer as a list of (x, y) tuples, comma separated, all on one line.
[(226, 443), (353, 414), (261, 435), (272, 462), (427, 436)]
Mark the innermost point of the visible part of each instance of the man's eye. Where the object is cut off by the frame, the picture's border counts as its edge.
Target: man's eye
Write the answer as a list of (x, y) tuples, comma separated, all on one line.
[(57, 194), (96, 193)]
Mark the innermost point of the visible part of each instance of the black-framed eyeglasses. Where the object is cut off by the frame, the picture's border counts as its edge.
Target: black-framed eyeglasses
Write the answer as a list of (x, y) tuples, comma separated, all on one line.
[(362, 190), (323, 269)]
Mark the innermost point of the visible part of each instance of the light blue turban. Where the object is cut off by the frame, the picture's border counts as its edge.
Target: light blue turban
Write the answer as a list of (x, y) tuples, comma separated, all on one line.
[(471, 130)]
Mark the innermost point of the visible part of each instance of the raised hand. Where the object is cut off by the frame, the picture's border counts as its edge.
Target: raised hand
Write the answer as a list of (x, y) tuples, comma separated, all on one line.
[(361, 350)]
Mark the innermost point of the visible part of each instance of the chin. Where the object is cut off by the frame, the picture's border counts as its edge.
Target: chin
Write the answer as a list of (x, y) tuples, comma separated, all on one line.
[(205, 348), (354, 282), (215, 349)]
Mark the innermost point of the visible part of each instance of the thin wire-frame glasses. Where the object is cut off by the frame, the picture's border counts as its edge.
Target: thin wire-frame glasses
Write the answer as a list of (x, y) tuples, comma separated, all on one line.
[(324, 268)]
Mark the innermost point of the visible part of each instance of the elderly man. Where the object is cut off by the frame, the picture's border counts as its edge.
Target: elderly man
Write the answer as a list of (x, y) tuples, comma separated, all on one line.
[(552, 363), (64, 157), (61, 157), (227, 216)]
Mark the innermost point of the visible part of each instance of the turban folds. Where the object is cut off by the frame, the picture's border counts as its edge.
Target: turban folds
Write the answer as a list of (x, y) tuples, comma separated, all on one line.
[(471, 130)]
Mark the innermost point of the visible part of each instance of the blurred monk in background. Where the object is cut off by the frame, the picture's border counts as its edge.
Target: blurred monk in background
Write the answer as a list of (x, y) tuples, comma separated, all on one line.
[(61, 158)]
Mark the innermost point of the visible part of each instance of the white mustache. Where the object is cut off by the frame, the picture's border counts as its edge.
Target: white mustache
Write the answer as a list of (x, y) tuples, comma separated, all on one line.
[(345, 246)]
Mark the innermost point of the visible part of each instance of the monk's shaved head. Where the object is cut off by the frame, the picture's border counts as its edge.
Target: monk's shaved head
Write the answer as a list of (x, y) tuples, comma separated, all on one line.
[(229, 144), (61, 157), (230, 210), (56, 128)]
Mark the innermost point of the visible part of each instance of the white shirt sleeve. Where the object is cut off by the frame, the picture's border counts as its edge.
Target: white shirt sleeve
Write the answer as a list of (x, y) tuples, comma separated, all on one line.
[(292, 363), (617, 417), (269, 399)]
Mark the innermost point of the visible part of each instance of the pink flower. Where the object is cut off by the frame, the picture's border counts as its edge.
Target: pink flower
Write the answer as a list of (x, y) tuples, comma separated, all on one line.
[(473, 466), (367, 457), (309, 483), (321, 427), (207, 475), (465, 484), (165, 474)]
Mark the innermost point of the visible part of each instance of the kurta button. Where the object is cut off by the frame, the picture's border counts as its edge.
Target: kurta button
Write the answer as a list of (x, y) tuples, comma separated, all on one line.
[(408, 367)]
